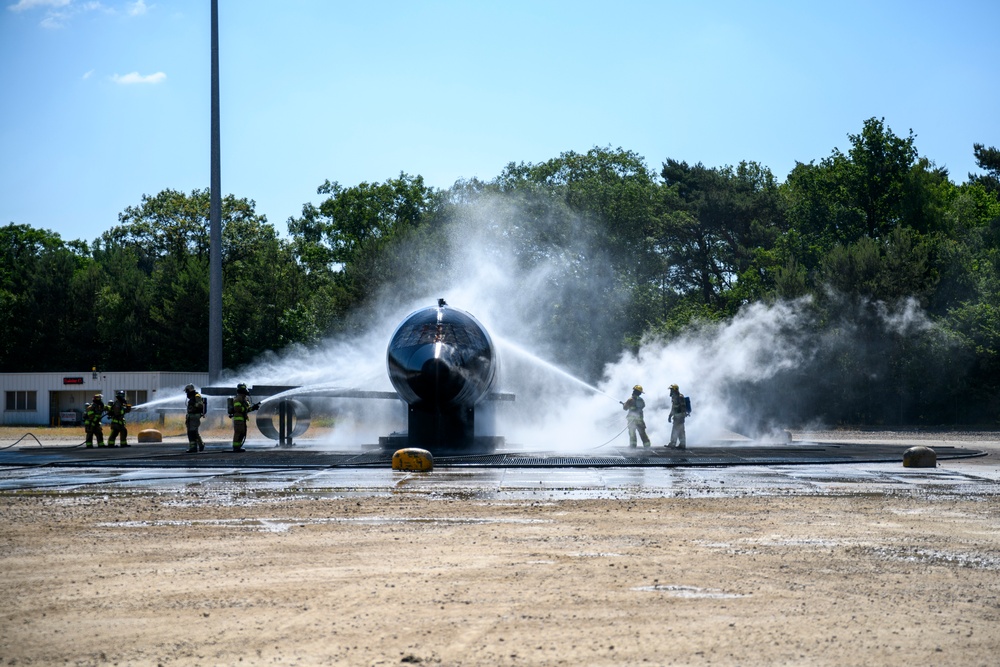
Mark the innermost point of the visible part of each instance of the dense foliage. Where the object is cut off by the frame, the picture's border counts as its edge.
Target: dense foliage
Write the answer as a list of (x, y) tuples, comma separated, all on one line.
[(896, 267)]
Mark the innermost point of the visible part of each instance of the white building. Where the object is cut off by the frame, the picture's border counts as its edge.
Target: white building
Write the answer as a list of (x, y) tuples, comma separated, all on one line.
[(59, 398)]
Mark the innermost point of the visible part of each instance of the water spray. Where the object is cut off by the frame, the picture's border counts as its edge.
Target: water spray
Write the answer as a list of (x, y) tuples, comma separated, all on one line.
[(513, 347)]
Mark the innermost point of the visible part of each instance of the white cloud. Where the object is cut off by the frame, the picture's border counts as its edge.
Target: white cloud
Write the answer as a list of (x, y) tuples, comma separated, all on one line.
[(137, 8), (54, 20), (135, 77), (22, 5), (58, 13), (87, 74)]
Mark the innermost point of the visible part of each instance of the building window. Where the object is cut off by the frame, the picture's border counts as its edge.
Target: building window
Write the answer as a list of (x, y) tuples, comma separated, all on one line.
[(135, 396), (22, 400)]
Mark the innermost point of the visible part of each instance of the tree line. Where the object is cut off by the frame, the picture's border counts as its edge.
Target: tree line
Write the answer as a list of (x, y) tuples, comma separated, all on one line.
[(859, 240)]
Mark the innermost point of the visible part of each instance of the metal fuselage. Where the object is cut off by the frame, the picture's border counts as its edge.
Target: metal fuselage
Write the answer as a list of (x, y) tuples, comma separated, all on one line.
[(442, 362)]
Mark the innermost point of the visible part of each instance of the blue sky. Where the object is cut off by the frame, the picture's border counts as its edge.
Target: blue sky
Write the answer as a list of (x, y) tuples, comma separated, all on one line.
[(106, 101)]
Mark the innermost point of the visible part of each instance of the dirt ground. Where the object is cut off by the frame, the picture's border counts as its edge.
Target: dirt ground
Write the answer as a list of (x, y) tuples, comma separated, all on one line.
[(118, 576)]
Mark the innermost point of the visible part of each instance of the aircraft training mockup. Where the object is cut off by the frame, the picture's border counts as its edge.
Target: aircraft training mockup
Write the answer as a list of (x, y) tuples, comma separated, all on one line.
[(441, 362)]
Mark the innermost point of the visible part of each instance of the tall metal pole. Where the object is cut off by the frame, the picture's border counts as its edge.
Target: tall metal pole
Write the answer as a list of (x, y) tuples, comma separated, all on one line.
[(215, 221)]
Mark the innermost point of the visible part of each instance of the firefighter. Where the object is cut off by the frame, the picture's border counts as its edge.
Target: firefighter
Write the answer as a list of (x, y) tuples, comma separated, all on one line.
[(240, 412), (116, 412), (634, 420), (195, 412), (92, 415), (678, 413)]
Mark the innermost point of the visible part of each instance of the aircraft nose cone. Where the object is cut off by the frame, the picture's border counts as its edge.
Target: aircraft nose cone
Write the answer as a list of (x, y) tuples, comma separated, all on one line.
[(441, 359), (439, 380)]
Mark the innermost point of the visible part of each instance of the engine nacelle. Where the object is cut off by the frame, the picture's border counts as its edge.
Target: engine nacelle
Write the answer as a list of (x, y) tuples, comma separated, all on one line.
[(295, 421)]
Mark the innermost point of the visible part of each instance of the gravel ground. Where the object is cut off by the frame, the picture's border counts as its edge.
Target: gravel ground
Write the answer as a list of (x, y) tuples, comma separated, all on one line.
[(188, 576)]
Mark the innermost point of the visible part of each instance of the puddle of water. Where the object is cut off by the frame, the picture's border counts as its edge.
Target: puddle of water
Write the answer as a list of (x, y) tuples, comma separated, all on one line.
[(233, 487), (279, 525), (593, 554), (977, 561), (688, 591), (778, 541)]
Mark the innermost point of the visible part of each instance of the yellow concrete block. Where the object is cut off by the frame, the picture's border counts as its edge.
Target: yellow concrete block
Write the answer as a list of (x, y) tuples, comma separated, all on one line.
[(412, 458), (150, 435), (920, 457)]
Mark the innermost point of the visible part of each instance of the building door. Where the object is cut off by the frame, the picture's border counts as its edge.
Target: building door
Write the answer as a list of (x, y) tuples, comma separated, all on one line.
[(66, 407)]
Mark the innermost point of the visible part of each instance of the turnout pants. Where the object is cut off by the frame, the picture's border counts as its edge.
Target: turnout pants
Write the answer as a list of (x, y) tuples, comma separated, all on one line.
[(195, 443), (677, 435), (239, 432), (118, 429), (95, 431), (634, 426)]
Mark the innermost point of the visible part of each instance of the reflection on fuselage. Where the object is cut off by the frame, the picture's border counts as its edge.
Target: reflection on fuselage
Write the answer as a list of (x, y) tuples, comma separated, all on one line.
[(441, 358)]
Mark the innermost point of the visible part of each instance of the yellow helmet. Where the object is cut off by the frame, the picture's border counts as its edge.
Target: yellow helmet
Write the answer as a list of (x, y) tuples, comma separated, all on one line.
[(673, 386), (637, 388)]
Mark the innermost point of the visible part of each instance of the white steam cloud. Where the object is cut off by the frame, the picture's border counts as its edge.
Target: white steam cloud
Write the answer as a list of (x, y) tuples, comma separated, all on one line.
[(528, 303)]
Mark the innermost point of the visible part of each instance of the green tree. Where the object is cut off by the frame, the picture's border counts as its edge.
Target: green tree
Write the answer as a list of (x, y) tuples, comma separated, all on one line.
[(122, 312), (969, 298), (263, 287), (613, 187), (180, 313), (892, 269), (821, 214), (988, 159), (345, 243), (879, 185), (81, 311), (364, 218), (169, 223), (718, 235), (588, 219), (168, 235), (36, 272), (880, 163)]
